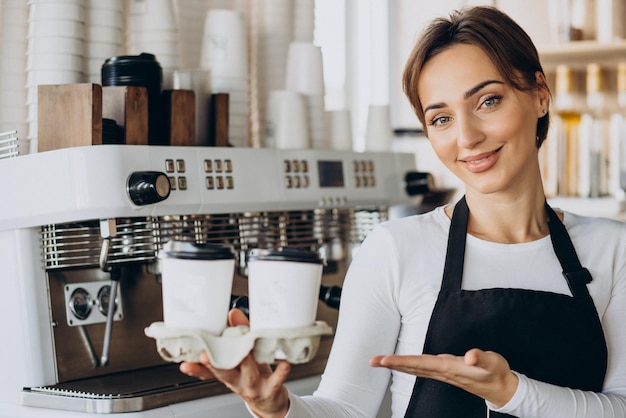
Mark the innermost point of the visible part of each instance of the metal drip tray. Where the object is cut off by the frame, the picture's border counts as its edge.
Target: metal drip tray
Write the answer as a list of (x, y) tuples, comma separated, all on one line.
[(122, 392)]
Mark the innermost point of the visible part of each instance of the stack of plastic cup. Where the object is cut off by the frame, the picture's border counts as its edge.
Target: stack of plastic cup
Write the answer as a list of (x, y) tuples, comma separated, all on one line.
[(152, 28), (272, 30), (303, 20), (190, 15), (56, 50), (225, 54), (13, 30), (305, 76), (104, 35)]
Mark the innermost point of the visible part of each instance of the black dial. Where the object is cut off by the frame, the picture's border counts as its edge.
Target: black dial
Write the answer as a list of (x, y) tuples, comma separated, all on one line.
[(417, 183), (146, 187)]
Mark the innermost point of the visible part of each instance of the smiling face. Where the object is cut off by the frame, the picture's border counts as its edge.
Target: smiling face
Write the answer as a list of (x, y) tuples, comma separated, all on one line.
[(481, 128)]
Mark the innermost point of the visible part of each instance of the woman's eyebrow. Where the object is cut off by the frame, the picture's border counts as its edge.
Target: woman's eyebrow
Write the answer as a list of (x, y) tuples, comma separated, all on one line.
[(469, 93), (478, 87)]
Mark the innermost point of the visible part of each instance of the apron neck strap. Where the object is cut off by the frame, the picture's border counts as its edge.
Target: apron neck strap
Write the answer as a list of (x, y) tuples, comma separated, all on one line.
[(576, 275)]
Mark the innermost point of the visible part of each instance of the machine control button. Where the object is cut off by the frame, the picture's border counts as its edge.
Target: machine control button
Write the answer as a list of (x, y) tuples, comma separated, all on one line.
[(357, 180), (220, 182), (356, 166), (364, 166), (228, 166), (218, 166), (210, 183), (305, 181), (182, 183), (287, 166), (169, 165), (296, 182), (295, 164), (172, 183), (208, 166), (146, 187), (370, 166), (180, 166), (80, 303), (230, 182), (288, 183), (372, 181), (304, 166)]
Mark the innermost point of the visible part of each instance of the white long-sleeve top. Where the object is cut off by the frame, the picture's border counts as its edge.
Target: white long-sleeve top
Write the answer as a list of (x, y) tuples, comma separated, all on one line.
[(390, 290)]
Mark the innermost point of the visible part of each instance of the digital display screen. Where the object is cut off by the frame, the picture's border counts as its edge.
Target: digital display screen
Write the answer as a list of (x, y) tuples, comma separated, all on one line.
[(330, 173)]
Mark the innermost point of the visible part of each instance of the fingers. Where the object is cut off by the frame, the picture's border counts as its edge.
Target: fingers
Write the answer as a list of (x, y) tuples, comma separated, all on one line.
[(237, 317), (196, 370), (281, 372)]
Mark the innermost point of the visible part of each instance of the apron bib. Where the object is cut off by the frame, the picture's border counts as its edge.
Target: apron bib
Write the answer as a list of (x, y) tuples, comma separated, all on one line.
[(549, 337)]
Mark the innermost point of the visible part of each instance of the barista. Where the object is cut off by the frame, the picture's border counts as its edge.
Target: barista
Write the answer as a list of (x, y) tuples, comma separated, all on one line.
[(497, 306)]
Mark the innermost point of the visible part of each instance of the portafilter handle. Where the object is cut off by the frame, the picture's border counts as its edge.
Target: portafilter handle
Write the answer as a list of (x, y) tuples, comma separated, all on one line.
[(108, 229)]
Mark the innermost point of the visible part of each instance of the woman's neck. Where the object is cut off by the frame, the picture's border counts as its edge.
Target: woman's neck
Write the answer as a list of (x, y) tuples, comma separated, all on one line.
[(507, 220)]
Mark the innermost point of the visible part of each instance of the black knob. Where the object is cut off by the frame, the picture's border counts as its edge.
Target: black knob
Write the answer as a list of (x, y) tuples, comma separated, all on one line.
[(417, 183), (146, 187), (331, 296)]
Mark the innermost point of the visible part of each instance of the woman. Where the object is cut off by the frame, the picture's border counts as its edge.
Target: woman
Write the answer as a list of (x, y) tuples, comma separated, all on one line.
[(527, 318)]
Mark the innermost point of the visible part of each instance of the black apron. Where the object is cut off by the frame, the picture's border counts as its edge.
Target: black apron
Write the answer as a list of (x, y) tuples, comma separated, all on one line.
[(549, 337)]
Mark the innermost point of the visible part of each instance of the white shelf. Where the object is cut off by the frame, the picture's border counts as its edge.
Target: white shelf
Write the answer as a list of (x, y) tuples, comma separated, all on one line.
[(580, 53), (607, 207)]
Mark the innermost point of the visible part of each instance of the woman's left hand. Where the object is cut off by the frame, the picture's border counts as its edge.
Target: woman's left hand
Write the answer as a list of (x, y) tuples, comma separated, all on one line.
[(483, 373)]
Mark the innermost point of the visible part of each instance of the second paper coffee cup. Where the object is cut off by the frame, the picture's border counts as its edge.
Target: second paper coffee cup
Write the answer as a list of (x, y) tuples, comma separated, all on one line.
[(283, 287)]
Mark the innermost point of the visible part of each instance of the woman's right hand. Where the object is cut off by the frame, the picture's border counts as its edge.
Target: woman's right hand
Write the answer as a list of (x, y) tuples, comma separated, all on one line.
[(260, 387)]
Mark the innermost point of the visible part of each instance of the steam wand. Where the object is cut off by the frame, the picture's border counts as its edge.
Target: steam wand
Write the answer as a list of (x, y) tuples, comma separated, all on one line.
[(108, 230)]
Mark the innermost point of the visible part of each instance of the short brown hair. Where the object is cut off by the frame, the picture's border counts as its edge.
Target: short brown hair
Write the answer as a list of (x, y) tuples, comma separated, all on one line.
[(507, 45)]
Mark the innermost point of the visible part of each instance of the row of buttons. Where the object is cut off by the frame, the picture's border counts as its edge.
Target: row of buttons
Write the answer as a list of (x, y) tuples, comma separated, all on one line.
[(297, 182), (365, 181), (181, 183), (296, 166), (220, 182), (218, 166), (210, 166), (363, 166)]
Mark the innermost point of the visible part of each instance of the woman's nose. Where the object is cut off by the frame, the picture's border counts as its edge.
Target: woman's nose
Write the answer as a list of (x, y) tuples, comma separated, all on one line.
[(469, 132)]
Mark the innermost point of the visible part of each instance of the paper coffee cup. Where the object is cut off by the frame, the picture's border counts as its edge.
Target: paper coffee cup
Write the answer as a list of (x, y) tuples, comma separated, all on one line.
[(283, 288), (197, 283)]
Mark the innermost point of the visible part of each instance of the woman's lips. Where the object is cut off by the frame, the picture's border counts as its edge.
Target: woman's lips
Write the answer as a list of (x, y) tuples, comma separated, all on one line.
[(481, 162)]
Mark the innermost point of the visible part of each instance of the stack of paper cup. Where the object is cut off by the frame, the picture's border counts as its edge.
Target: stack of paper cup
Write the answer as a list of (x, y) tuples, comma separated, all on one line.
[(305, 76), (340, 129), (378, 134), (303, 20), (56, 49), (152, 28), (190, 15), (286, 124), (104, 35), (272, 29), (13, 30), (225, 54)]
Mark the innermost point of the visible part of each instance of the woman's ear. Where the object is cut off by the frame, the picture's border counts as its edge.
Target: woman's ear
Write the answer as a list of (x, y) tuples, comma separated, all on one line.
[(543, 94)]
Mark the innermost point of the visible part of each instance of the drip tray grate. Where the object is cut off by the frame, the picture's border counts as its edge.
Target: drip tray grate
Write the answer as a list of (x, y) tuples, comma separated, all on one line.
[(122, 392)]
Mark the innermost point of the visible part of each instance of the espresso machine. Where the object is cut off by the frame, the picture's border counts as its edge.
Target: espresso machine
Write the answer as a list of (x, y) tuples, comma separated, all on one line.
[(80, 229)]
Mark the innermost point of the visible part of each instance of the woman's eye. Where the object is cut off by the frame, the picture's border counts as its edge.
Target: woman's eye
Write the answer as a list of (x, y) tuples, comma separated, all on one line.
[(440, 120), (492, 101)]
